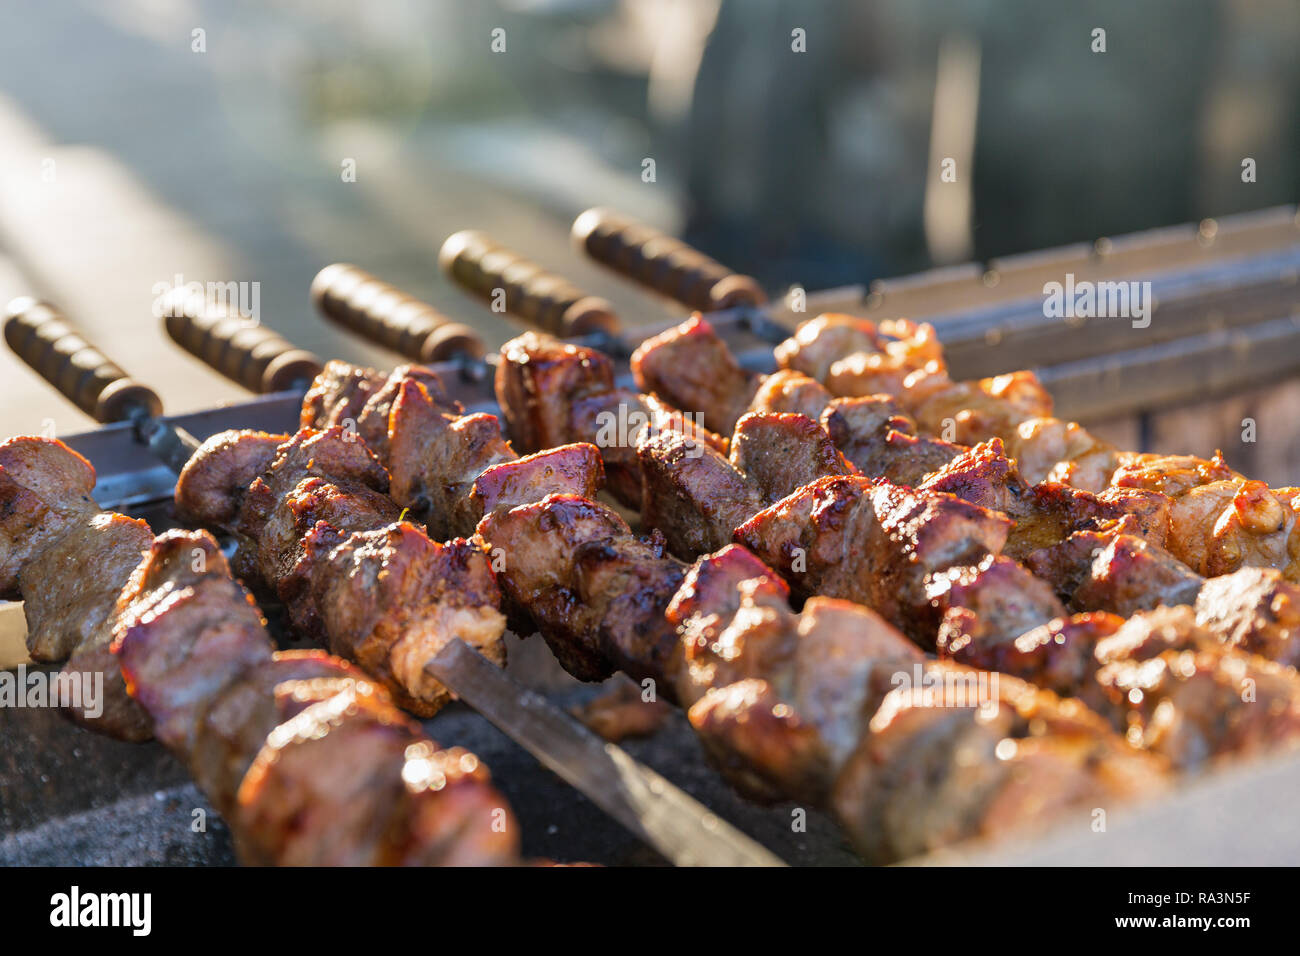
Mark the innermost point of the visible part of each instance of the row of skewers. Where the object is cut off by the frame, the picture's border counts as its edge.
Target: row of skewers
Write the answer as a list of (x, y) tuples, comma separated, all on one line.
[(1136, 613)]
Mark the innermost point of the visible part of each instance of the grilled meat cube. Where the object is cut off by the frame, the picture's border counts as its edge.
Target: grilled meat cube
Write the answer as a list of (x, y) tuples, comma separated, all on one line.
[(1058, 656), (1181, 694), (348, 781), (538, 381), (788, 391), (933, 771), (241, 716), (1045, 513), (782, 452), (873, 543), (49, 528), (45, 491), (185, 629), (390, 599), (623, 711), (596, 592), (567, 470), (763, 747), (273, 549), (211, 487), (692, 494), (690, 368), (79, 576), (1003, 596), (881, 442), (73, 617), (1255, 610), (1221, 526), (339, 393), (615, 421), (1111, 570), (1171, 475), (436, 459), (705, 606), (1049, 449), (853, 356)]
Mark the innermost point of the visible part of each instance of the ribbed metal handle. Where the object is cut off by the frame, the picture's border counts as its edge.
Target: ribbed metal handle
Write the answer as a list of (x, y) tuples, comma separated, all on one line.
[(662, 263), (42, 338), (386, 315), (489, 270), (244, 351)]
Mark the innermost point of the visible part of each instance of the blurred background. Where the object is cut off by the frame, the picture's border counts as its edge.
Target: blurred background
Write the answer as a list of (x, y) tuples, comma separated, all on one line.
[(801, 142)]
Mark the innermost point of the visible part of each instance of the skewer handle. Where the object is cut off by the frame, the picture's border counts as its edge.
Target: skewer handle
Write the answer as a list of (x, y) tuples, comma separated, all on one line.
[(42, 338), (489, 270), (386, 315), (662, 263), (245, 352)]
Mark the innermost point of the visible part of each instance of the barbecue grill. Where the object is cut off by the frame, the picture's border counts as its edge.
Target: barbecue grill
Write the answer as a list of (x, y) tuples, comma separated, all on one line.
[(1225, 328)]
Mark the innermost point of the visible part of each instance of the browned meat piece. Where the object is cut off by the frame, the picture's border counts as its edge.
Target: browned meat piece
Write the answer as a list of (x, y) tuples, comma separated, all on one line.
[(622, 712), (273, 548), (1221, 526), (72, 617), (76, 609), (692, 369), (1113, 571), (390, 599), (760, 744), (782, 452), (1179, 693), (881, 442), (1172, 475), (874, 544), (705, 606), (692, 494), (359, 400), (1058, 656), (933, 771), (1002, 596), (348, 781), (339, 393), (185, 629), (791, 392), (596, 592), (436, 459), (568, 470), (212, 485), (68, 561), (853, 356), (1046, 513), (1050, 449), (778, 699), (1255, 610), (242, 715), (538, 381), (614, 421), (45, 490)]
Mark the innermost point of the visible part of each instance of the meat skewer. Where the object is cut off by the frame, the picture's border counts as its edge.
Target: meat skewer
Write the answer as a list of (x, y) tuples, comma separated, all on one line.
[(827, 706), (1221, 520), (1217, 520), (688, 833)]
